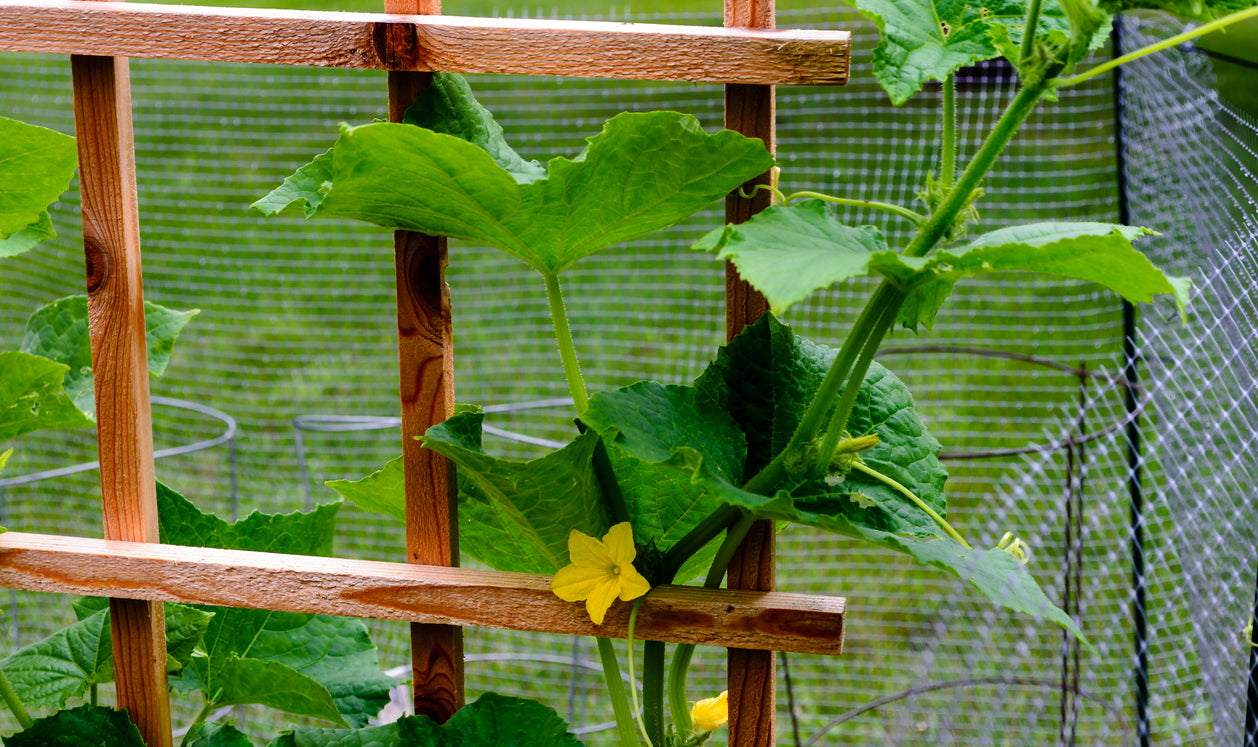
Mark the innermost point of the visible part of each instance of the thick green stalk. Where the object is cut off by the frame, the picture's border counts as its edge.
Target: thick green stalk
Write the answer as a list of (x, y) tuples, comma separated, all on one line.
[(653, 690), (1174, 41), (890, 307), (814, 418), (626, 732), (567, 349), (694, 540), (948, 154), (14, 703), (677, 703), (1030, 30)]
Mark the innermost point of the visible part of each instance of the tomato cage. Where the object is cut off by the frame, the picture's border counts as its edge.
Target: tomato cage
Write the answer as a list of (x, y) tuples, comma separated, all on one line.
[(1116, 442)]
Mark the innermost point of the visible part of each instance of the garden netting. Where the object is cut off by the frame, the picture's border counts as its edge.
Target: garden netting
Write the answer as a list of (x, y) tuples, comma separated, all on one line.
[(288, 377)]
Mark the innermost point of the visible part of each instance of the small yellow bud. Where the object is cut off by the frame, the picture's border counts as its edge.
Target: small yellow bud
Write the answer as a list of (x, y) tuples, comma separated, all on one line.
[(710, 714)]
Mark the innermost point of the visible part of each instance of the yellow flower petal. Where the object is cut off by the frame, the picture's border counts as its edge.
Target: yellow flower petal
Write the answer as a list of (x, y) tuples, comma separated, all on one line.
[(585, 550), (601, 598), (619, 544), (576, 582), (632, 583), (710, 714)]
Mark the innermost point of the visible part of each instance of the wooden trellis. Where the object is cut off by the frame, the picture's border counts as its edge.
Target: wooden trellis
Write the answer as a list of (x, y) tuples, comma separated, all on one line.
[(410, 40)]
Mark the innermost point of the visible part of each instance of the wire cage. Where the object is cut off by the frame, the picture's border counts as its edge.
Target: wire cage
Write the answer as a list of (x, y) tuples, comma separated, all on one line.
[(1118, 441)]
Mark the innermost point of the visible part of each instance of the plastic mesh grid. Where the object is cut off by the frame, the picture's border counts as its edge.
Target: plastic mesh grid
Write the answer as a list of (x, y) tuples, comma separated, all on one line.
[(297, 320)]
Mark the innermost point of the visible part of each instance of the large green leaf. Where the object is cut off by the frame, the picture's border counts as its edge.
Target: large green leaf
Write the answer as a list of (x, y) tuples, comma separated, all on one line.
[(305, 186), (652, 421), (491, 721), (64, 665), (248, 681), (1101, 253), (206, 734), (523, 510), (69, 662), (84, 726), (383, 491), (643, 172), (789, 252), (664, 505), (994, 573), (334, 653), (767, 376), (27, 238), (59, 332), (447, 106), (642, 426), (36, 165), (924, 40), (182, 523), (33, 398)]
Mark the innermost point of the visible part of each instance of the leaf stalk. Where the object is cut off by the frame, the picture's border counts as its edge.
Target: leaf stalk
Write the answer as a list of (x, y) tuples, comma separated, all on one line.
[(948, 154), (567, 348), (626, 731), (14, 702)]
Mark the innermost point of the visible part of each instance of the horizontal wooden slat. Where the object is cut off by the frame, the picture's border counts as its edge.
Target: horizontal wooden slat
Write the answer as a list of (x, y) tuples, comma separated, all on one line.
[(427, 43), (402, 591)]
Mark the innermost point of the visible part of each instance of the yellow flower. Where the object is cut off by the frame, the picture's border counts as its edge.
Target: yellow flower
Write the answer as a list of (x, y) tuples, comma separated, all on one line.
[(710, 714), (600, 571)]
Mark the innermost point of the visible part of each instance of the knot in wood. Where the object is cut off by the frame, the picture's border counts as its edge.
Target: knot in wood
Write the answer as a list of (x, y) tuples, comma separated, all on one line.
[(97, 264), (396, 44)]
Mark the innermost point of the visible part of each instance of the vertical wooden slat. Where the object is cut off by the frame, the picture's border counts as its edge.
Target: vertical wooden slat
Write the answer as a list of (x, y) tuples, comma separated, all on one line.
[(751, 675), (111, 241), (427, 392)]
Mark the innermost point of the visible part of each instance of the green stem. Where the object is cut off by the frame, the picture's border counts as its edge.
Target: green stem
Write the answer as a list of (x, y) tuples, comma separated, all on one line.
[(694, 540), (725, 553), (1173, 41), (206, 709), (677, 671), (856, 378), (912, 215), (625, 729), (1030, 31), (948, 156), (860, 467), (944, 216), (567, 349), (774, 473), (14, 703), (633, 680), (653, 690), (677, 702)]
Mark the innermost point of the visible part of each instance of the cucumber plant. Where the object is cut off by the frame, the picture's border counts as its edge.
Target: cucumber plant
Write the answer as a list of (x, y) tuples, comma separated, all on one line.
[(660, 483)]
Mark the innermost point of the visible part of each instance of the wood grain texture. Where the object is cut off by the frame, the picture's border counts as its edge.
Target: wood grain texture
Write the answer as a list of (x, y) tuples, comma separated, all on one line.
[(750, 109), (426, 366), (111, 242), (404, 591), (413, 42)]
